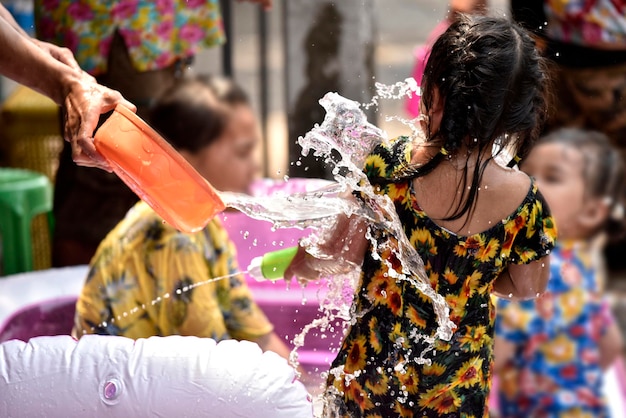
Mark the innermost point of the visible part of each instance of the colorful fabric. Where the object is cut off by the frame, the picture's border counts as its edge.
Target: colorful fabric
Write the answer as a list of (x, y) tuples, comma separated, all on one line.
[(149, 279), (157, 33), (555, 371), (588, 23), (377, 371)]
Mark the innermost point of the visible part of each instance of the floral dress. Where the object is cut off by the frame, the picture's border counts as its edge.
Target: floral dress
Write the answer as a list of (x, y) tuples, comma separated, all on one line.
[(147, 279), (157, 33), (555, 371), (375, 373)]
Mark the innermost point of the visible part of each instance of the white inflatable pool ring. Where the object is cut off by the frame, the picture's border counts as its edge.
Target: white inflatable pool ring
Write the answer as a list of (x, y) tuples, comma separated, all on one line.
[(105, 376)]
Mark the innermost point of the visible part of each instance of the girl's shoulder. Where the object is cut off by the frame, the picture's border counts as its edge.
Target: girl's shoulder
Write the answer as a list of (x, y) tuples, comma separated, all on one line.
[(520, 194)]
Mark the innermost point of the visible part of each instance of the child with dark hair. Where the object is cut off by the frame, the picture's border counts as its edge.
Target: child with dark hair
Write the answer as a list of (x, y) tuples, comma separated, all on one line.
[(143, 260), (478, 227), (551, 352)]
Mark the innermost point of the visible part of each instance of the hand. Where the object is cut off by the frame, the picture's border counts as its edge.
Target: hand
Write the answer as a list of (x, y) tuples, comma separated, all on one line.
[(303, 268), (306, 267), (60, 54), (337, 252), (267, 4), (83, 105)]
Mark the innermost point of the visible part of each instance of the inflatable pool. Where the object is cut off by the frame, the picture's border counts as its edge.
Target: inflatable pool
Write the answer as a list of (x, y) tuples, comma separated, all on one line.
[(106, 376)]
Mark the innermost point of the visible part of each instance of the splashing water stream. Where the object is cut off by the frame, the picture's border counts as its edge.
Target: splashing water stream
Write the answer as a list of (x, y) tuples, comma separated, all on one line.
[(345, 130)]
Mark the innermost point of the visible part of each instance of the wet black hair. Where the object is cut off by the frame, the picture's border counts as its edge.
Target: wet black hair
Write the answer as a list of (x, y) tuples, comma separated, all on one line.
[(604, 173), (194, 111), (493, 85)]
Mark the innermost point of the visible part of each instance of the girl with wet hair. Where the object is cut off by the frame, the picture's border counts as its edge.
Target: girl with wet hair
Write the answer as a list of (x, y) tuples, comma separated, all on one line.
[(478, 226), (487, 85)]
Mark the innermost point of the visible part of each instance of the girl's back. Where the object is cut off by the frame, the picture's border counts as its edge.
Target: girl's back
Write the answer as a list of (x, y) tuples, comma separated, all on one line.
[(501, 190)]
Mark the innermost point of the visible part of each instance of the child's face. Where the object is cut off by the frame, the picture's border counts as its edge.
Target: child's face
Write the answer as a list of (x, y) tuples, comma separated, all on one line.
[(559, 172), (230, 163)]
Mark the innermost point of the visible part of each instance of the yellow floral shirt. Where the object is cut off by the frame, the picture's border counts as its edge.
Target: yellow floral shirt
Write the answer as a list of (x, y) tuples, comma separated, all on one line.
[(149, 279), (157, 33)]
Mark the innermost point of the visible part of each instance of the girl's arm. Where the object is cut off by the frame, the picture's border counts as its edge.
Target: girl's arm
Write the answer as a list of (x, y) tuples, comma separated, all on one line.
[(503, 352), (611, 346), (272, 342), (523, 281), (340, 251), (48, 70)]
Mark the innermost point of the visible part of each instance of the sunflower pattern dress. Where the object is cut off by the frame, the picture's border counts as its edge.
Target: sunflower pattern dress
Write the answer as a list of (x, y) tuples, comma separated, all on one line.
[(376, 372)]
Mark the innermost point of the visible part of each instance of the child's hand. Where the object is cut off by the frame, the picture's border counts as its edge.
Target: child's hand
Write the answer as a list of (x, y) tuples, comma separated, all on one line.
[(306, 267), (303, 268)]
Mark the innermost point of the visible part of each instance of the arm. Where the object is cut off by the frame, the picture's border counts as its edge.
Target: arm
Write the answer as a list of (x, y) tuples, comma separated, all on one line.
[(338, 252), (59, 53), (272, 342), (503, 352), (51, 72), (523, 281), (611, 346)]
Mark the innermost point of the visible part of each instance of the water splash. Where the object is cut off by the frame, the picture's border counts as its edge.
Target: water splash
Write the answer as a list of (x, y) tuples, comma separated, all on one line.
[(343, 140), (399, 90), (346, 130)]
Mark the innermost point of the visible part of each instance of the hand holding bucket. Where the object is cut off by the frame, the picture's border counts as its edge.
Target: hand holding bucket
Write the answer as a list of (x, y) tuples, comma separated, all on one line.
[(158, 174)]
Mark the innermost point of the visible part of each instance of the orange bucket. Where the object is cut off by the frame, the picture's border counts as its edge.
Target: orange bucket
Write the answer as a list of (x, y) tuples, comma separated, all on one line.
[(153, 169)]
